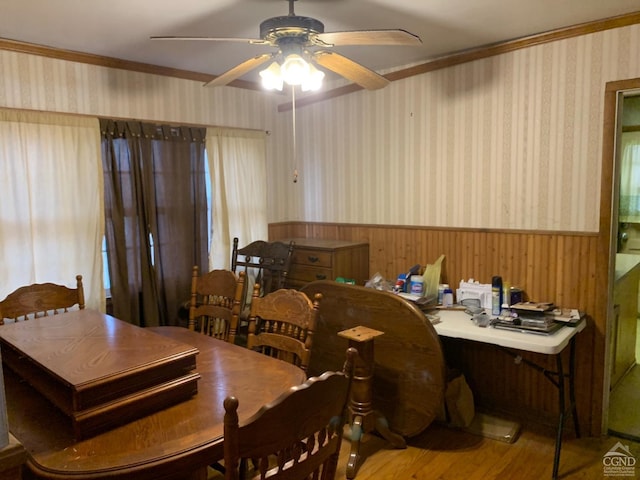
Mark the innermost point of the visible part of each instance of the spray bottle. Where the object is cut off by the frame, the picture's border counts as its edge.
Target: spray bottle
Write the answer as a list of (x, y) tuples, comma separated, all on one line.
[(496, 295)]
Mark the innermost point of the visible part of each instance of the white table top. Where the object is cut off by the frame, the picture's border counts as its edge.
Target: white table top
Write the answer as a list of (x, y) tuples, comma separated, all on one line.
[(457, 324)]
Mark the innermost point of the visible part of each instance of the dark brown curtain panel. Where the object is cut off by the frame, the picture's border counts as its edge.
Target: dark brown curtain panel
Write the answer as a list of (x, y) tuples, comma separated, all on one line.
[(155, 217)]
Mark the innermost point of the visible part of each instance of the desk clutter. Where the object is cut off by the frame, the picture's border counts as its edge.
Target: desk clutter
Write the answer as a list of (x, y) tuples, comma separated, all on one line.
[(533, 317), (419, 284), (513, 313), (496, 304)]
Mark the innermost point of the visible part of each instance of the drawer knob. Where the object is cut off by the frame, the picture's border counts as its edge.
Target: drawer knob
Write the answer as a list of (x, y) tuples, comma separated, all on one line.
[(312, 258), (321, 276)]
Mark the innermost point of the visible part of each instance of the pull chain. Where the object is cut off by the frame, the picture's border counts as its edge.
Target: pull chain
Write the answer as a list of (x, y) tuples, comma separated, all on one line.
[(295, 162)]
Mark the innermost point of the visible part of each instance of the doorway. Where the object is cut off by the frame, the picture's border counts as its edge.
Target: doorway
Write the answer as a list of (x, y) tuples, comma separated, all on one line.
[(624, 392)]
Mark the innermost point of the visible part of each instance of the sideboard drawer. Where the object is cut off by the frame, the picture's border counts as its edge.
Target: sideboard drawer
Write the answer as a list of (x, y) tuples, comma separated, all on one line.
[(315, 258), (309, 274)]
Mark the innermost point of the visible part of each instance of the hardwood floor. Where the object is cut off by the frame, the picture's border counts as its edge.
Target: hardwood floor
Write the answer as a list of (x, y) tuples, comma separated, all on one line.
[(441, 453)]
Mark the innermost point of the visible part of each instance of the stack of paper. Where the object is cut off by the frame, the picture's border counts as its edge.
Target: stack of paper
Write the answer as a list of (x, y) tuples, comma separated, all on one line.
[(565, 315)]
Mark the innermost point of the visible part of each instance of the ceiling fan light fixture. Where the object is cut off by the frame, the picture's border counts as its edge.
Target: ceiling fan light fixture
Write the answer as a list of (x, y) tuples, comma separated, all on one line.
[(295, 69), (314, 79), (272, 77)]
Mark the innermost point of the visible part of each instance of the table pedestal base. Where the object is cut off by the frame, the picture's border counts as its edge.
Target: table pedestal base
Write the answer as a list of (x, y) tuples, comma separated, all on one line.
[(364, 419)]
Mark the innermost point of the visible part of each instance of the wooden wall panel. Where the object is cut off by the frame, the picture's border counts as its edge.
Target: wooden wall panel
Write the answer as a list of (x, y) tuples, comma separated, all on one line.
[(557, 267)]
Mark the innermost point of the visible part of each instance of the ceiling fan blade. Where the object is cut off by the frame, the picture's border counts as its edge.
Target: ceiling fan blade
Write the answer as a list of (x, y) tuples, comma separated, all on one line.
[(239, 70), (350, 70), (252, 41), (368, 37)]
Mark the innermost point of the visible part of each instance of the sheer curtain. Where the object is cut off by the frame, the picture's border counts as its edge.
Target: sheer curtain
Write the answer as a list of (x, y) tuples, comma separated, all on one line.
[(629, 210), (52, 210), (156, 217), (237, 164)]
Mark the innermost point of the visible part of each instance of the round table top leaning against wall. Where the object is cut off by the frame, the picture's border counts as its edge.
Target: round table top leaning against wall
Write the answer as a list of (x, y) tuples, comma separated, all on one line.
[(409, 374)]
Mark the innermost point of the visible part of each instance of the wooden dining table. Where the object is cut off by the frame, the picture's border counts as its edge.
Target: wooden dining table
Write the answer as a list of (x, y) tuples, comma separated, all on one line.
[(177, 442)]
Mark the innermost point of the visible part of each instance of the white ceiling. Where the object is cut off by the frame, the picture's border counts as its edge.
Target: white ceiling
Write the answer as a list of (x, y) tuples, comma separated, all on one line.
[(121, 28)]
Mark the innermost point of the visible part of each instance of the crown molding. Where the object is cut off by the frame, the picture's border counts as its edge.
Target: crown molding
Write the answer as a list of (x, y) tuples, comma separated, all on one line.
[(437, 63), (111, 62), (477, 53)]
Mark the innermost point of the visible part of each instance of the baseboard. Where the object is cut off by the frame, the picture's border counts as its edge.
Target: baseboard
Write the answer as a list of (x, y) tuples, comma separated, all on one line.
[(626, 436)]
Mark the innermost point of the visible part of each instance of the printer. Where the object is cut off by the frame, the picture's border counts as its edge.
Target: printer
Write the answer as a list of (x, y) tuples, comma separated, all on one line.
[(472, 289)]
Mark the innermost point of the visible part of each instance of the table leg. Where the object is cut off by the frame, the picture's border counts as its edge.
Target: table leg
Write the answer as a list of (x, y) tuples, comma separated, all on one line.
[(382, 427), (572, 388), (364, 418), (556, 456), (354, 455), (558, 379), (564, 409)]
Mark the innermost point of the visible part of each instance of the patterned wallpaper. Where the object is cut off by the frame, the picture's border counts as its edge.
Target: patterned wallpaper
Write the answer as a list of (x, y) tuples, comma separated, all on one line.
[(513, 141), (38, 83)]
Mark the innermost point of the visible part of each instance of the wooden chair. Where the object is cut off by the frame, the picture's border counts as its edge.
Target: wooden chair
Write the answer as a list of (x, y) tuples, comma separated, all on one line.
[(282, 323), (216, 297), (41, 300), (270, 262), (297, 436)]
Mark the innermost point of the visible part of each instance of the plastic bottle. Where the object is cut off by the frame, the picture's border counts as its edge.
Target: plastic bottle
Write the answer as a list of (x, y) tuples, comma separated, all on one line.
[(416, 286), (506, 293), (441, 288), (496, 295), (401, 283), (447, 297)]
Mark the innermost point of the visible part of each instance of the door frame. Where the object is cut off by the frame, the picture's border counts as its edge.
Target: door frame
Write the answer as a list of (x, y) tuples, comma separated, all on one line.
[(608, 228)]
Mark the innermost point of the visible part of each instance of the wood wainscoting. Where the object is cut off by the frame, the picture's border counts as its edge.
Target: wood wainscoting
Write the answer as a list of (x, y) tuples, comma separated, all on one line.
[(549, 266)]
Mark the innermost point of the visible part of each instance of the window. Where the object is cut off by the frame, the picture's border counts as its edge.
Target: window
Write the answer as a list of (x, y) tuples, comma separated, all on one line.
[(105, 261), (156, 216)]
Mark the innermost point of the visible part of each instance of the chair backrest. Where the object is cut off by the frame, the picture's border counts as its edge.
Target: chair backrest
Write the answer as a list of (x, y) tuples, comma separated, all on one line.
[(270, 260), (40, 300), (282, 323), (295, 437), (215, 302)]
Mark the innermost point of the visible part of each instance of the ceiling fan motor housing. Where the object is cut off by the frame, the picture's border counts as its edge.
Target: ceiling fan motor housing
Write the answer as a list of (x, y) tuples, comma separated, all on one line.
[(290, 26)]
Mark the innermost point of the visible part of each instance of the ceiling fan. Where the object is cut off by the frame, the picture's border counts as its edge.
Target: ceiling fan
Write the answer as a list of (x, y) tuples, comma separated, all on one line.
[(303, 38)]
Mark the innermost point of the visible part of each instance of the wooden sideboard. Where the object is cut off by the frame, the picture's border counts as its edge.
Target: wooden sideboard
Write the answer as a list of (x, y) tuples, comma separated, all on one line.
[(316, 259)]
